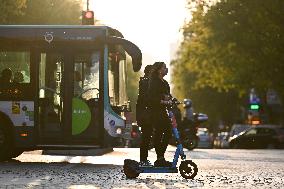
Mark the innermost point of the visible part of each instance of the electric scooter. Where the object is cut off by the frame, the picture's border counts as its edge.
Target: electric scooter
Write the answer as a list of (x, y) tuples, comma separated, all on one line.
[(188, 169)]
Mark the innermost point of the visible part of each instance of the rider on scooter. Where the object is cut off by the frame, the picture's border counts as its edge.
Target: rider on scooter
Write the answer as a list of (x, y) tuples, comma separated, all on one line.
[(159, 97)]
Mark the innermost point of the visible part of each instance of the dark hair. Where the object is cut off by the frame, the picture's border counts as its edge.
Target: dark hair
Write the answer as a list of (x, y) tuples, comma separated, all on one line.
[(155, 68), (6, 75), (147, 70), (7, 72)]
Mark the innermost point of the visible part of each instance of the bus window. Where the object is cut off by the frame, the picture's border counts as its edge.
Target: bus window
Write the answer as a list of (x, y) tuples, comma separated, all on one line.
[(14, 67), (86, 75), (117, 79), (122, 82), (113, 79), (50, 74)]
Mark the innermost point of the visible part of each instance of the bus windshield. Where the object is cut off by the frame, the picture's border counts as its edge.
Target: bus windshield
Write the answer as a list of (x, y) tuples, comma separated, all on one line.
[(117, 79), (86, 75)]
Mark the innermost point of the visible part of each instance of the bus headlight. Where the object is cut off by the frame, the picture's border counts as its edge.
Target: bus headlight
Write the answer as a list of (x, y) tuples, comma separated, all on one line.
[(118, 131)]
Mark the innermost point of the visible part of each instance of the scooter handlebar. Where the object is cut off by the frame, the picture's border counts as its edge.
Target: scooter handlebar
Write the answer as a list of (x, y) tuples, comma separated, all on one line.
[(175, 101)]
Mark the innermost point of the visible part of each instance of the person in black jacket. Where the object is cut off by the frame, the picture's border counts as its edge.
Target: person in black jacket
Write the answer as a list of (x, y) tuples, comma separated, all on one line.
[(159, 97), (142, 116)]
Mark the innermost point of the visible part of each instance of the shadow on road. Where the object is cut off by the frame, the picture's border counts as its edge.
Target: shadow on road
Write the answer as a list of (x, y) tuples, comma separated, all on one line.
[(75, 175)]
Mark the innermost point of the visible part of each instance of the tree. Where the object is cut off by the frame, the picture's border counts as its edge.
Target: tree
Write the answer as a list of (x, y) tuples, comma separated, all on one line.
[(237, 45), (51, 12), (40, 12), (9, 10), (230, 47)]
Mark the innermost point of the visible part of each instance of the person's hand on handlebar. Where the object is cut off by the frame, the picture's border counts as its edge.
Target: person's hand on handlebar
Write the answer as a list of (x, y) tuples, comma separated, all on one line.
[(167, 100)]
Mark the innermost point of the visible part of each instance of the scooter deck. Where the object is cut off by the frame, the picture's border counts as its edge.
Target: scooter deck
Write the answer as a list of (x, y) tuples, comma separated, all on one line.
[(153, 169)]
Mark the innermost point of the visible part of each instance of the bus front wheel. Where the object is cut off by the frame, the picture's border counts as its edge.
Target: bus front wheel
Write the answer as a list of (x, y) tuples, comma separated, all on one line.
[(5, 141)]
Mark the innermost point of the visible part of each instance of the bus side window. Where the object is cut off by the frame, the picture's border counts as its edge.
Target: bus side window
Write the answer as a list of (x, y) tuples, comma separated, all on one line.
[(14, 67), (117, 79)]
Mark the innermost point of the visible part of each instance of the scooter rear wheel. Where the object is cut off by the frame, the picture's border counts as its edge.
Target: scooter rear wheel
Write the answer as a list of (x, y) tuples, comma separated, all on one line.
[(130, 173), (188, 169), (130, 169)]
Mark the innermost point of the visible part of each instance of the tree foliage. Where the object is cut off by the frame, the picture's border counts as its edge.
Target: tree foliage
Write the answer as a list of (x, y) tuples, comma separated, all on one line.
[(40, 12), (9, 10), (230, 47)]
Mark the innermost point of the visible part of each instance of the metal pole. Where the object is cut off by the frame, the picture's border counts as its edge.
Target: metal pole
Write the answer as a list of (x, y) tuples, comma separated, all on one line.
[(87, 5)]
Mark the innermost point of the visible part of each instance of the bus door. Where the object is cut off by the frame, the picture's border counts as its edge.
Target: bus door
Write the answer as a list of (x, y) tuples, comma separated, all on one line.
[(51, 68), (86, 103)]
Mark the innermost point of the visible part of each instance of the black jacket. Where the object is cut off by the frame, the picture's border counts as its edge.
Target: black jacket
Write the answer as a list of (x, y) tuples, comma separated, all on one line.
[(142, 99), (157, 90)]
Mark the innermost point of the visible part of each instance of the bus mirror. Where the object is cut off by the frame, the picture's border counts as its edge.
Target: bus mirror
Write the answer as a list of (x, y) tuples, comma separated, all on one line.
[(130, 48)]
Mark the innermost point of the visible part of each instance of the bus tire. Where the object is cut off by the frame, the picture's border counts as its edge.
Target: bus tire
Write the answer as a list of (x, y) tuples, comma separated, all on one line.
[(5, 140)]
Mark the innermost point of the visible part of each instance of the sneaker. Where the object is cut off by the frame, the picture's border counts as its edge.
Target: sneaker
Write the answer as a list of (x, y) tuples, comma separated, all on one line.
[(145, 163), (162, 163)]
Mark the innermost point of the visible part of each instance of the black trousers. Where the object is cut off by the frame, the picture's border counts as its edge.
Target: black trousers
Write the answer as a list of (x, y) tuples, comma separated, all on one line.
[(147, 131), (162, 132)]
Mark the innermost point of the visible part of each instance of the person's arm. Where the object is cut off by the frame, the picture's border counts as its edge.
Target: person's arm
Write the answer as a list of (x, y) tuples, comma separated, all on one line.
[(167, 96)]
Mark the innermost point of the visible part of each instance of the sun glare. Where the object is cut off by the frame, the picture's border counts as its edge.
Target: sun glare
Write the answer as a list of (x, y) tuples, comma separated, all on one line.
[(153, 25)]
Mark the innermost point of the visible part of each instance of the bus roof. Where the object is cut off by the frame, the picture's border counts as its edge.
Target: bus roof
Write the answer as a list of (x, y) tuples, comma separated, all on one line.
[(57, 32), (61, 34)]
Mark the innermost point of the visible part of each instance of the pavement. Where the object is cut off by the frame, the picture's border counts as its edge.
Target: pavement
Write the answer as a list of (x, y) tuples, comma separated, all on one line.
[(218, 168)]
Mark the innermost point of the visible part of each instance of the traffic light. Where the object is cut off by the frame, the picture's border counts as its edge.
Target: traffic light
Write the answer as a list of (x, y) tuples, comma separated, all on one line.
[(254, 114), (254, 107), (88, 18)]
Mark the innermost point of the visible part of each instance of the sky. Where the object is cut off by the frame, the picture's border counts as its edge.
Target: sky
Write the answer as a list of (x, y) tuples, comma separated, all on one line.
[(153, 25)]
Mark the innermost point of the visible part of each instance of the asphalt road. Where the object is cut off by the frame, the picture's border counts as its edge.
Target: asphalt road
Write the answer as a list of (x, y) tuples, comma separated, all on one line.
[(217, 169)]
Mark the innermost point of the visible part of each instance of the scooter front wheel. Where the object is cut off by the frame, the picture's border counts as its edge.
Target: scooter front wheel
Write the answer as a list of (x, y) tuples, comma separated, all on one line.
[(188, 169)]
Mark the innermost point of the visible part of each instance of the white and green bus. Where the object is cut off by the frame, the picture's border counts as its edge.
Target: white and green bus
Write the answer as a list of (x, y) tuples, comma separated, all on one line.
[(63, 87)]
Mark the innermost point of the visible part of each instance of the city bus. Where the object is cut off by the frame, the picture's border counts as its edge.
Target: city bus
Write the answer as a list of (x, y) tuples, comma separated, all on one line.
[(63, 87)]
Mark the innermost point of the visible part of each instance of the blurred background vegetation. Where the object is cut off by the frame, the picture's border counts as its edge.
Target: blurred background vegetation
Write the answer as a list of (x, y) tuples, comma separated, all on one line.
[(229, 47), (40, 12)]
